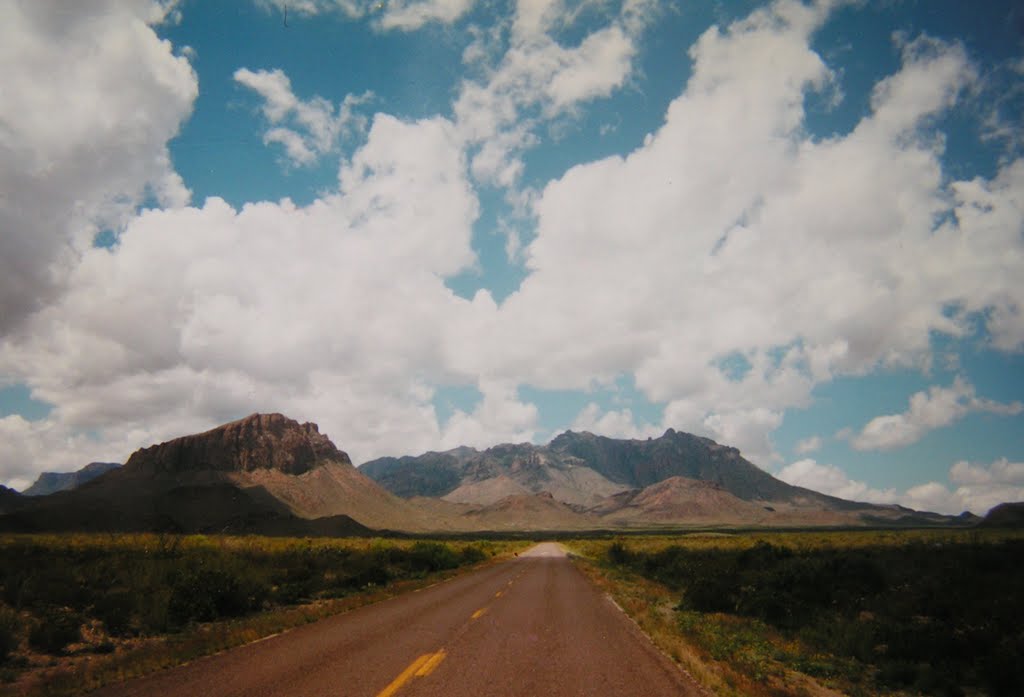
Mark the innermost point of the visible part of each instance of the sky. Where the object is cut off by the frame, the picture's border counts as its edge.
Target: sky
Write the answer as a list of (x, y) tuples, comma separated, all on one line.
[(794, 227)]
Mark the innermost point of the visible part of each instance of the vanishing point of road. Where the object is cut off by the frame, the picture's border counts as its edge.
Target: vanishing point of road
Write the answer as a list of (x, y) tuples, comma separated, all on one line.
[(530, 626)]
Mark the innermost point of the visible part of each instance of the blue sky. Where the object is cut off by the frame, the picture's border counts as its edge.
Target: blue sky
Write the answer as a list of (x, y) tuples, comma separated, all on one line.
[(796, 228)]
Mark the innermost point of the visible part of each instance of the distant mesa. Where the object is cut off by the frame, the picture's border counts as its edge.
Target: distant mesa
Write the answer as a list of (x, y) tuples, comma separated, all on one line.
[(52, 482)]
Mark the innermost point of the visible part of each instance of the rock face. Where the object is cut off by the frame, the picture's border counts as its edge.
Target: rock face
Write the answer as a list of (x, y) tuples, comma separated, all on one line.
[(257, 442), (52, 482)]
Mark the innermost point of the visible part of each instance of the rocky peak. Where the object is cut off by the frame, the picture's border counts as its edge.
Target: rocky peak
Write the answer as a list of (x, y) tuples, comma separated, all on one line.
[(259, 441)]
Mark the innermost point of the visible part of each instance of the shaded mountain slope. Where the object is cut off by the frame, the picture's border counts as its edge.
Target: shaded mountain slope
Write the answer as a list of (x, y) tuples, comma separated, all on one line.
[(1005, 515), (265, 473), (10, 500), (52, 482)]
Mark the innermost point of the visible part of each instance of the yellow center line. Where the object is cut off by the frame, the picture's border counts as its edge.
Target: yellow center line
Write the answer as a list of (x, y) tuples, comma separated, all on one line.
[(479, 613), (498, 594), (405, 675), (433, 662)]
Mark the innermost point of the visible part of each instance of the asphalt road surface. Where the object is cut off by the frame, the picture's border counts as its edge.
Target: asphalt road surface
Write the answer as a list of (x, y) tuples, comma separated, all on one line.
[(531, 626)]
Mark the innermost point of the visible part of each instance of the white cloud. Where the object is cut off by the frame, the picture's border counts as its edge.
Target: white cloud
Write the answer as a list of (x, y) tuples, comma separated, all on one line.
[(1002, 471), (90, 97), (328, 312), (829, 479), (407, 15), (613, 423), (978, 487), (500, 417), (748, 430), (403, 15), (312, 127), (937, 408), (807, 445), (538, 79), (731, 231)]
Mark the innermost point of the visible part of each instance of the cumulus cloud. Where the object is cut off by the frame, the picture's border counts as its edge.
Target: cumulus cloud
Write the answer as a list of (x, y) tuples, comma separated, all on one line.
[(829, 479), (500, 417), (538, 79), (615, 423), (661, 258), (937, 408), (807, 445), (307, 129), (401, 15), (326, 312), (91, 96), (729, 233), (977, 487)]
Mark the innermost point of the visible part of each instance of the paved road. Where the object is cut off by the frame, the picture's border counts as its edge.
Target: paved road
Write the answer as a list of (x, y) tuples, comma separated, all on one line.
[(531, 626)]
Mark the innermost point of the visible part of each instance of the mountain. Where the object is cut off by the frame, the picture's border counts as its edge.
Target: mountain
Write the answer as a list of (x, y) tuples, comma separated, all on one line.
[(52, 482), (265, 473), (676, 479), (1005, 515), (465, 475), (269, 474)]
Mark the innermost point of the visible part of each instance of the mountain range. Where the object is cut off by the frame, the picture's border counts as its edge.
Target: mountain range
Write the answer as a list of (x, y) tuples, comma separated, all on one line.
[(269, 474)]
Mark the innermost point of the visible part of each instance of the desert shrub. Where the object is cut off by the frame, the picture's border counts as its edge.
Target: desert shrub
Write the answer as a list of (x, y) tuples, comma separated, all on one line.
[(618, 553), (931, 618), (432, 556), (472, 554), (10, 632), (54, 630), (115, 609), (205, 594)]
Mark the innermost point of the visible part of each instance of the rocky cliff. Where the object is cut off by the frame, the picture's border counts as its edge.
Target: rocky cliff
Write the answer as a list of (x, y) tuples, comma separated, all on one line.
[(257, 442)]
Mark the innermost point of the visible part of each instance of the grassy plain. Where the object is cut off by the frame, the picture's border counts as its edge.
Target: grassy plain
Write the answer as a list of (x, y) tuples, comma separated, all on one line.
[(933, 612), (80, 610)]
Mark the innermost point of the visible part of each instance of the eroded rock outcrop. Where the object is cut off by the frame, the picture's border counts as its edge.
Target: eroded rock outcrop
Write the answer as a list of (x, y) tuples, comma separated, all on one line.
[(257, 442)]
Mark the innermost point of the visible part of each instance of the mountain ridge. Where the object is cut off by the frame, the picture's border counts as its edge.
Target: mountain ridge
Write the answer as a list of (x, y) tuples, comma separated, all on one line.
[(51, 482), (621, 481), (269, 474)]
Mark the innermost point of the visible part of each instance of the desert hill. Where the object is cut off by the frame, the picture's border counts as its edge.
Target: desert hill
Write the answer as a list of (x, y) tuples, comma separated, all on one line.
[(265, 473), (1005, 515), (51, 482)]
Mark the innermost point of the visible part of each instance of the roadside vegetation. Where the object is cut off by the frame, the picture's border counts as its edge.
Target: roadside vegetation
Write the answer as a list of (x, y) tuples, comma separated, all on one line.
[(917, 612), (79, 610)]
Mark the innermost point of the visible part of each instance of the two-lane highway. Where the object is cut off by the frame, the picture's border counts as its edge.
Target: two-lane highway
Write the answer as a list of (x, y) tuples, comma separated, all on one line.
[(530, 626)]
